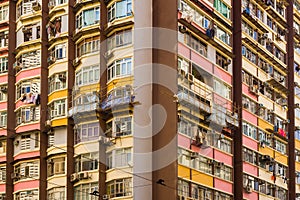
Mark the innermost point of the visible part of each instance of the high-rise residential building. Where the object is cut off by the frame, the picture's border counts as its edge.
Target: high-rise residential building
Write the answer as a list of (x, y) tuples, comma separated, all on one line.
[(160, 99)]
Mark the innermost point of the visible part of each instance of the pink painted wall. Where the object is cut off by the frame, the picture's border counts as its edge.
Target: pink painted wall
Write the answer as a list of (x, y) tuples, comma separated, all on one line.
[(28, 73), (3, 105), (223, 157), (250, 169), (246, 91), (2, 187), (2, 158), (29, 127), (248, 116), (250, 143), (251, 196), (27, 155), (223, 185), (23, 185), (3, 132), (201, 61), (183, 50), (3, 78), (226, 77)]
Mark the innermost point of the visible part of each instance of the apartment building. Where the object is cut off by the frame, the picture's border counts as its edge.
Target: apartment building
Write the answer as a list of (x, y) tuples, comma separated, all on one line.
[(78, 97)]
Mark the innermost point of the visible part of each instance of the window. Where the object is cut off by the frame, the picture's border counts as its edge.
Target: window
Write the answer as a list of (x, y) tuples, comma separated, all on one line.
[(2, 146), (3, 92), (4, 13), (119, 39), (221, 7), (88, 45), (54, 28), (223, 172), (222, 89), (249, 156), (119, 158), (58, 52), (86, 162), (26, 170), (87, 132), (26, 195), (28, 60), (88, 17), (119, 68), (223, 36), (87, 75), (3, 39), (222, 61), (25, 142), (82, 192), (27, 115), (51, 139), (57, 81), (53, 3), (56, 193), (3, 65), (249, 130), (119, 188), (122, 126), (56, 166), (119, 9), (2, 174), (58, 108), (25, 7), (280, 146), (3, 119), (250, 105), (249, 54), (28, 90), (264, 138)]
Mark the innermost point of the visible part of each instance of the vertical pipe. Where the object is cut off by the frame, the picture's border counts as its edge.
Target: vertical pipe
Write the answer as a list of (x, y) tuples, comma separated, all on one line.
[(291, 101), (44, 101), (237, 98), (11, 116)]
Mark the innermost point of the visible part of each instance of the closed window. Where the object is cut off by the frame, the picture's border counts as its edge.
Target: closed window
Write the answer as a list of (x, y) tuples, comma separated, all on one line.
[(57, 81), (87, 132), (4, 13), (26, 170), (119, 39), (56, 166), (87, 75), (119, 158), (58, 108), (56, 193), (88, 17), (86, 162), (119, 188), (119, 9), (119, 68)]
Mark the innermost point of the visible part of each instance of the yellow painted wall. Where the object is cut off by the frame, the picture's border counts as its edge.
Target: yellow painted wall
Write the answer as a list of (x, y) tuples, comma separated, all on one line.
[(59, 122), (57, 95)]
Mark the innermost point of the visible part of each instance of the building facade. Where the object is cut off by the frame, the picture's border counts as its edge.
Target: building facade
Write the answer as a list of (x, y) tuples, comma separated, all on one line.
[(85, 84)]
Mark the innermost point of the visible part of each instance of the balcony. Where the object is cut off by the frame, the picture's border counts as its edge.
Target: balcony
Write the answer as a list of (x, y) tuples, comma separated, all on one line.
[(279, 132), (264, 52), (255, 21), (193, 101), (278, 84), (278, 17), (115, 103), (81, 3)]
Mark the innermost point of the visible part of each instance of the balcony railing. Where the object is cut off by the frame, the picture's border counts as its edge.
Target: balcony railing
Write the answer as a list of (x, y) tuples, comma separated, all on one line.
[(111, 102)]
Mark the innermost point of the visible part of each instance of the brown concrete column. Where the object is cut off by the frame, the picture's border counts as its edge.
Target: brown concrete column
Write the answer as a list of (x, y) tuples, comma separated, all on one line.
[(155, 83), (44, 101), (71, 77), (11, 116), (291, 102), (237, 97), (103, 81)]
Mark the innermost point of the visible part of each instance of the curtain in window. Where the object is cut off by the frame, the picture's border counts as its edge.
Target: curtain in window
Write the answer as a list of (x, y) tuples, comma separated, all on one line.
[(121, 9), (88, 17)]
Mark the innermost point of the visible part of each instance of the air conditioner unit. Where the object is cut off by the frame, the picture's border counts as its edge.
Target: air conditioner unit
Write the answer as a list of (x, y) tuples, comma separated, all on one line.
[(262, 144), (253, 89), (48, 123), (108, 54), (3, 89), (194, 155), (190, 77), (83, 175), (15, 175), (182, 29), (36, 6), (16, 143), (297, 105), (74, 177), (104, 197), (62, 77), (51, 60), (220, 164), (248, 189)]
